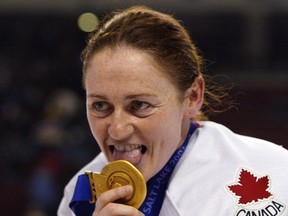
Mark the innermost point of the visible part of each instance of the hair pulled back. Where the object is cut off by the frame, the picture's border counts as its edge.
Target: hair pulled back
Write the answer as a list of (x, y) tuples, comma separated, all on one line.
[(157, 34)]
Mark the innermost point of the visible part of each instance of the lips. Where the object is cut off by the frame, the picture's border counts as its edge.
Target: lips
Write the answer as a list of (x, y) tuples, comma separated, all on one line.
[(132, 153)]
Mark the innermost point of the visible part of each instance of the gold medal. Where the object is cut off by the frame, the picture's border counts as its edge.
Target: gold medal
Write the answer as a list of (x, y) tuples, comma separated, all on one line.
[(116, 174)]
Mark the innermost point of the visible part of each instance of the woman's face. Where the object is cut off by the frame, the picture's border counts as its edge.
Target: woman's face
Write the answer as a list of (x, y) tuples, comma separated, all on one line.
[(133, 109)]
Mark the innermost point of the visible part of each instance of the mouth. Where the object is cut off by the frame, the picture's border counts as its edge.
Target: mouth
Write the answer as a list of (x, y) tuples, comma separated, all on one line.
[(127, 148), (132, 153)]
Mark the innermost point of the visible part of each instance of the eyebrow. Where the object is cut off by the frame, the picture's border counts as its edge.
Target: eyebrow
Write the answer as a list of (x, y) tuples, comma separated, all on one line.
[(140, 95), (127, 97), (96, 96)]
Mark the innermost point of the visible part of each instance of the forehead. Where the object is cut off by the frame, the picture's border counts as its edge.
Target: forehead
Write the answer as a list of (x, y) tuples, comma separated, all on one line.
[(124, 61), (125, 67), (125, 53)]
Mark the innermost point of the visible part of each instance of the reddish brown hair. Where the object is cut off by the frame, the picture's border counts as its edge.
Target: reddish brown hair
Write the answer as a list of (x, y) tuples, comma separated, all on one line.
[(158, 34)]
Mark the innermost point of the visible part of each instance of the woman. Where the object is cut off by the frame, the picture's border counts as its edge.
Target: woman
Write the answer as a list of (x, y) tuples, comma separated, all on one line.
[(145, 96)]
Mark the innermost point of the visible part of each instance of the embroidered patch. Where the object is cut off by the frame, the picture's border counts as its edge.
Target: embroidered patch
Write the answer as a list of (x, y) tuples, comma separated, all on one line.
[(254, 196), (249, 188)]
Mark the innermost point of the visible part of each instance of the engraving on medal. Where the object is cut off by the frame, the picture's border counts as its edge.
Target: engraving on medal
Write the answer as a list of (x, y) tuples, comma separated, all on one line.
[(116, 174)]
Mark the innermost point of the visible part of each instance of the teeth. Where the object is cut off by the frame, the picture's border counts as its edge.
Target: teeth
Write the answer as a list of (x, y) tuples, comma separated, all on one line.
[(127, 148), (120, 148)]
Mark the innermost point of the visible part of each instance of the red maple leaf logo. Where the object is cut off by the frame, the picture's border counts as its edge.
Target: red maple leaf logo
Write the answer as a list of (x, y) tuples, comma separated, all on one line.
[(250, 188)]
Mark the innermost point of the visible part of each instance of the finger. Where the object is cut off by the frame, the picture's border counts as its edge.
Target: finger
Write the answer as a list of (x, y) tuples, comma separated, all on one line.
[(120, 209), (112, 195)]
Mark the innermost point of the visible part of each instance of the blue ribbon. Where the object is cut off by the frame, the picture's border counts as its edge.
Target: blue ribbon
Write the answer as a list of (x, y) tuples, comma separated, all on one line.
[(156, 187), (80, 204)]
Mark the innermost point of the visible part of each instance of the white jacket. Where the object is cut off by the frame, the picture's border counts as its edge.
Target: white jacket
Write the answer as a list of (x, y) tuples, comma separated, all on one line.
[(215, 159)]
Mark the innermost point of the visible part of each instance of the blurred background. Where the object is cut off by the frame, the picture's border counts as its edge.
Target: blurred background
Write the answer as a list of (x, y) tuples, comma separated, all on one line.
[(44, 136)]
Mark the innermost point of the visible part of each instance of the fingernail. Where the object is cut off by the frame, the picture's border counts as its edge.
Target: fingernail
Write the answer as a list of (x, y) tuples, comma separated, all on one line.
[(128, 189)]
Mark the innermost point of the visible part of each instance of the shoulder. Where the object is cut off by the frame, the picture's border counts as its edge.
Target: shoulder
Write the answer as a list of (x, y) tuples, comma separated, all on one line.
[(95, 165), (222, 140), (216, 158)]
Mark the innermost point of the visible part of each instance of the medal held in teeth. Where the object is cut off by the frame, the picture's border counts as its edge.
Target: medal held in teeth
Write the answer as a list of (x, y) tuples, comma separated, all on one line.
[(116, 174)]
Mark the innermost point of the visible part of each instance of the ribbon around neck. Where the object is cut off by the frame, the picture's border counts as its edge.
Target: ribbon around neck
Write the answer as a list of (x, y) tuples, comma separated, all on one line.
[(156, 187)]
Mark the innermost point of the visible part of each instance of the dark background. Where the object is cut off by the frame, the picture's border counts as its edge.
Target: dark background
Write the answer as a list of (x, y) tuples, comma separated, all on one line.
[(44, 135)]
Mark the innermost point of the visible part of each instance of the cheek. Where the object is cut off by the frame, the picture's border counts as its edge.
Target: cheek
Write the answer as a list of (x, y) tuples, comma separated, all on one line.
[(95, 127), (167, 123), (91, 123), (164, 133), (98, 133), (168, 133)]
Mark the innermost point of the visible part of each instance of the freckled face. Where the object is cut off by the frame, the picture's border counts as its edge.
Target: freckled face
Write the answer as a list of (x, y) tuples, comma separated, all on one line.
[(133, 109)]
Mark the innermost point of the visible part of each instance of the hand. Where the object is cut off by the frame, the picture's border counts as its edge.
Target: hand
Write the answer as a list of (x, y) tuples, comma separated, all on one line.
[(105, 205)]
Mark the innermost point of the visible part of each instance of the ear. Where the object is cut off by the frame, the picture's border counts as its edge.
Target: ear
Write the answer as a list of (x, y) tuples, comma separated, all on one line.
[(194, 96)]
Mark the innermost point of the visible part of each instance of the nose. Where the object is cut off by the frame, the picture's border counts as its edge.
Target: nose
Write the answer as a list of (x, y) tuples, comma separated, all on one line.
[(120, 126)]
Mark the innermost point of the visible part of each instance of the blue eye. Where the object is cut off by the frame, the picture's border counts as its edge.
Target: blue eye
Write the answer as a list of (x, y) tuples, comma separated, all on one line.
[(139, 105), (101, 109), (100, 106), (141, 109)]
